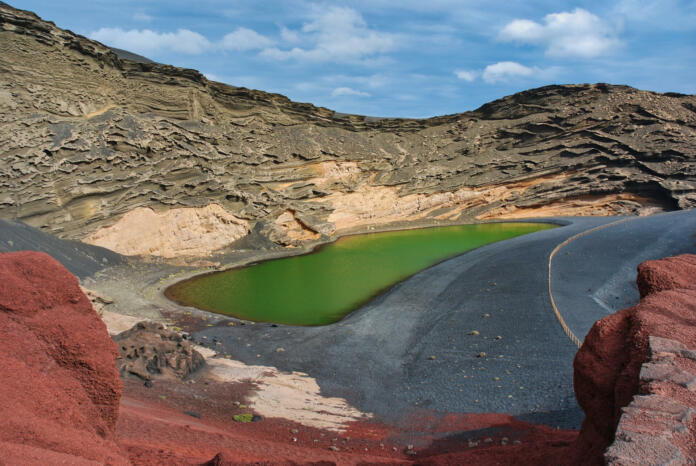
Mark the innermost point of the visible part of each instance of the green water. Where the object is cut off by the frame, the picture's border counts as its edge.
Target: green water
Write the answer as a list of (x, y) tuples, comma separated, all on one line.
[(322, 287)]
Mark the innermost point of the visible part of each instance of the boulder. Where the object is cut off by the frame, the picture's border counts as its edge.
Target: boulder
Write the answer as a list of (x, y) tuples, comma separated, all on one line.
[(150, 350), (617, 350), (60, 390)]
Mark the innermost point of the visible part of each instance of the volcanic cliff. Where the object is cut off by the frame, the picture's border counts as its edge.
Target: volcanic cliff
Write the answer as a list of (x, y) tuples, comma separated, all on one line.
[(144, 158)]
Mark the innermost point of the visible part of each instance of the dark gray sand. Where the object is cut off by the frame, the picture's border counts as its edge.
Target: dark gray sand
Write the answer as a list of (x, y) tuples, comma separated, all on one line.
[(412, 347), (80, 259)]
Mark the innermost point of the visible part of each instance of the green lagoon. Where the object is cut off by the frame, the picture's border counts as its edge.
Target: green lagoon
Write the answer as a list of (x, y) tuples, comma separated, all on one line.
[(324, 286)]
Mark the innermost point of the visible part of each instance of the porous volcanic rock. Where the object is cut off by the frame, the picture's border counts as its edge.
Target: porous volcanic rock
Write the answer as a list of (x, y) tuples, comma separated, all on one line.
[(60, 390), (88, 137), (670, 273), (150, 350), (622, 361)]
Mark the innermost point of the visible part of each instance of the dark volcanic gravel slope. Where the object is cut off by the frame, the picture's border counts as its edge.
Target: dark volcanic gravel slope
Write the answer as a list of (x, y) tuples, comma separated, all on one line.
[(80, 259), (379, 357)]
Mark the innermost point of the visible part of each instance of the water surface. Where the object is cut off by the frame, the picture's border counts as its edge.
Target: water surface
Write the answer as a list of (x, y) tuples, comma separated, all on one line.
[(322, 287)]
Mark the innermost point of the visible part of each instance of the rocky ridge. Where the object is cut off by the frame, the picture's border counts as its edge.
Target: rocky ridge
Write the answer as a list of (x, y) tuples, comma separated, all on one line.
[(60, 391), (89, 138), (635, 375)]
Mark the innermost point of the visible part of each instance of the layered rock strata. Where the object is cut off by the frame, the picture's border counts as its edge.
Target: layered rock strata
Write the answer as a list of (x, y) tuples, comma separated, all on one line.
[(91, 140), (635, 375)]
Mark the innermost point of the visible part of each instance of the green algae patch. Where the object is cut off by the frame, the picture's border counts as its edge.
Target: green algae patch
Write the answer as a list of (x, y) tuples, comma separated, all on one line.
[(324, 286), (243, 417)]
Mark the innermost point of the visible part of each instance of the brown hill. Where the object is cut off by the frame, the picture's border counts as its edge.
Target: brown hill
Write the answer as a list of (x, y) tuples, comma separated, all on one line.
[(144, 158)]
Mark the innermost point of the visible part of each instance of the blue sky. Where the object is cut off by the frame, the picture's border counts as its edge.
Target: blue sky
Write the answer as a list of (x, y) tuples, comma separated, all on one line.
[(418, 59)]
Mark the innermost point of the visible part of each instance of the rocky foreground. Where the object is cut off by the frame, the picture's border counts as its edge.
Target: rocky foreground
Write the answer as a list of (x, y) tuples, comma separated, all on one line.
[(62, 401), (144, 158)]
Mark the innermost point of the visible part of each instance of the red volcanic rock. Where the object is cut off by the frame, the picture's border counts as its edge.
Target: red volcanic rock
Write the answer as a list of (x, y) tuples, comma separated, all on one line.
[(667, 274), (59, 389), (610, 361)]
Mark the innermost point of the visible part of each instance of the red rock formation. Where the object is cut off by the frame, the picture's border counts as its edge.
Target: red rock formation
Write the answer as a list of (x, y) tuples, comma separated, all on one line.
[(608, 366), (60, 390)]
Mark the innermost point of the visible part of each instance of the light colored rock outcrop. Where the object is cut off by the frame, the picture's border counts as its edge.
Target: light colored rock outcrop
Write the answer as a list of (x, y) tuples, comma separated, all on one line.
[(176, 232)]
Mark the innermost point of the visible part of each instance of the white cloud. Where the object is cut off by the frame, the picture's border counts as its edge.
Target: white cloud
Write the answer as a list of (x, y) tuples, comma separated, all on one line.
[(245, 39), (146, 41), (336, 34), (339, 91), (468, 76), (374, 81), (504, 70), (672, 15), (140, 16), (568, 34), (289, 36)]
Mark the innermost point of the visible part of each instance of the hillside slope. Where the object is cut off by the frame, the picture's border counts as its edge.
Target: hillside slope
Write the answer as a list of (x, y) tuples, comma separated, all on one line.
[(143, 158)]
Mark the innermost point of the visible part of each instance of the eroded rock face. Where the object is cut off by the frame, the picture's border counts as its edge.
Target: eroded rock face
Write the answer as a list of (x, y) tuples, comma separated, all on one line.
[(89, 138), (175, 232), (60, 390), (631, 372), (149, 351)]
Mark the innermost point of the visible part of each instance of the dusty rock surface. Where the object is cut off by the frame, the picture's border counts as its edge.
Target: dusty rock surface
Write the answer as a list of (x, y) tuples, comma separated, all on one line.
[(89, 138), (176, 232), (150, 350), (60, 391), (635, 373)]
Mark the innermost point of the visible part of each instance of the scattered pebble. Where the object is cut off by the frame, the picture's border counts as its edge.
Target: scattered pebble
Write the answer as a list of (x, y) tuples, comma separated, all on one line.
[(148, 384), (294, 431), (481, 355), (486, 316), (516, 442), (488, 440), (498, 337), (334, 448), (294, 439), (280, 350), (496, 378), (474, 332), (432, 358)]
